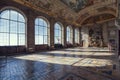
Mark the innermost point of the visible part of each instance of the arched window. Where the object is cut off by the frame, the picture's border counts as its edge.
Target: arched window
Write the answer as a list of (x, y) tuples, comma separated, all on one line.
[(41, 31), (76, 36), (12, 28), (69, 35), (57, 33)]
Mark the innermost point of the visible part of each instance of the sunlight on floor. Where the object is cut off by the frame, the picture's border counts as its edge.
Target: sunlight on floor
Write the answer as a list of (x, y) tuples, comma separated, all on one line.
[(76, 58), (54, 65)]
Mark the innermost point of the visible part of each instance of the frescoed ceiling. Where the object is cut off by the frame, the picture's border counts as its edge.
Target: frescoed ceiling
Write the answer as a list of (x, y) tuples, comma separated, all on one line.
[(76, 5), (74, 11)]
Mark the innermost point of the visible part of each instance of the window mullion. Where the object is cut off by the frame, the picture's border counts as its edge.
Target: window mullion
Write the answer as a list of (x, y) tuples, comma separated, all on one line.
[(9, 25), (18, 30)]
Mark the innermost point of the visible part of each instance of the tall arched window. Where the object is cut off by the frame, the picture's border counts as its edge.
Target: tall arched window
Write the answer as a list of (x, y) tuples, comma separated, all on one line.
[(76, 36), (12, 28), (57, 33), (41, 31), (69, 35)]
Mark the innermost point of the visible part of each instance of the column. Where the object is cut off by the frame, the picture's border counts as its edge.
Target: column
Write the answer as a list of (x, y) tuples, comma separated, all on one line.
[(73, 35), (52, 22), (105, 34), (64, 34), (80, 37), (30, 37), (119, 28)]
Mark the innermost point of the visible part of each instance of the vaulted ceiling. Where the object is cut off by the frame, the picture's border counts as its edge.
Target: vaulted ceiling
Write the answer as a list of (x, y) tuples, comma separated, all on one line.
[(76, 12), (77, 5)]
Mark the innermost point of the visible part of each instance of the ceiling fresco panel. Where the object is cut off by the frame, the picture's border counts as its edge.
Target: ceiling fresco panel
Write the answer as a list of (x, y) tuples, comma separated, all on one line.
[(76, 5)]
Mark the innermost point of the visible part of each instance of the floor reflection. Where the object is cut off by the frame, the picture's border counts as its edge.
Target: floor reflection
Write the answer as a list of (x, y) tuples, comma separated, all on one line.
[(67, 64)]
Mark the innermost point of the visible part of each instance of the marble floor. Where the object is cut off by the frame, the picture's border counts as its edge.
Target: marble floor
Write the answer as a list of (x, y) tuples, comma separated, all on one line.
[(65, 64)]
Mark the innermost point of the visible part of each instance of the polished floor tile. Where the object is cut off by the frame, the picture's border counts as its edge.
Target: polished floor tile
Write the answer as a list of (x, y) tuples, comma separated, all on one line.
[(65, 64)]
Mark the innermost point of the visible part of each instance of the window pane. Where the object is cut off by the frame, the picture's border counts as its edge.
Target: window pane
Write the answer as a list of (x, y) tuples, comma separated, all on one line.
[(67, 29), (5, 14), (67, 39), (21, 39), (59, 40), (45, 31), (36, 30), (40, 22), (59, 27), (21, 18), (13, 27), (56, 33), (40, 31), (13, 15), (40, 39), (4, 25), (21, 28), (10, 29), (45, 24), (59, 33), (56, 41), (13, 39), (45, 40), (69, 35), (76, 36), (36, 39), (36, 22), (56, 27), (4, 37)]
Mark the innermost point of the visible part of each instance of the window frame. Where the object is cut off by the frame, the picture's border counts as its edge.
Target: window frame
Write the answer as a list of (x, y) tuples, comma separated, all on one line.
[(45, 28), (17, 26), (69, 35), (61, 32), (76, 36)]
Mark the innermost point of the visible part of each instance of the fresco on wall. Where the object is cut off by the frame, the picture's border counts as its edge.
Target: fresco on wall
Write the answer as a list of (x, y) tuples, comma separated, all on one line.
[(76, 5)]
